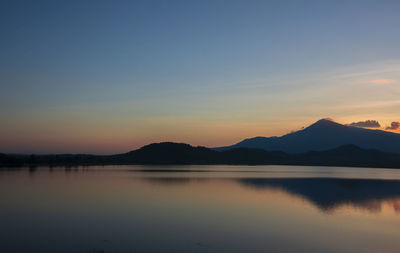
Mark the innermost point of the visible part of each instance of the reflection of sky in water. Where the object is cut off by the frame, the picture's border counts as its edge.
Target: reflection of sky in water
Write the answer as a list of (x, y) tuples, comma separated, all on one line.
[(75, 211), (266, 171)]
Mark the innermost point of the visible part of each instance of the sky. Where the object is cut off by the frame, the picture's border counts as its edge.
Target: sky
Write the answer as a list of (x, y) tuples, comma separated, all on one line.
[(106, 77)]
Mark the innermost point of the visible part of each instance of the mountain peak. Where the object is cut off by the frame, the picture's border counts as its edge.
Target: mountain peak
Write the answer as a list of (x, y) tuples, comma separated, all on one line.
[(325, 122)]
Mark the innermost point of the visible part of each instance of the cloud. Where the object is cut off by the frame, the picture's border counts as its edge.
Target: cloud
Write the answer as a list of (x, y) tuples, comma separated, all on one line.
[(395, 125), (382, 81), (366, 124)]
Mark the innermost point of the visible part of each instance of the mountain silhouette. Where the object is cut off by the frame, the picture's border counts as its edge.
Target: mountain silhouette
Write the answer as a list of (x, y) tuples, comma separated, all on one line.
[(170, 153), (181, 153), (323, 135)]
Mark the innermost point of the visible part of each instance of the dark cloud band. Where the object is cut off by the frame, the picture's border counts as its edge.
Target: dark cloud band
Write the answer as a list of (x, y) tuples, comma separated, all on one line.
[(367, 124), (395, 125)]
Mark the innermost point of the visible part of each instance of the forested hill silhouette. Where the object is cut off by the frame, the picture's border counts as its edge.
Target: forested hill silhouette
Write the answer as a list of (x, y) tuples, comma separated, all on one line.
[(323, 135), (180, 153)]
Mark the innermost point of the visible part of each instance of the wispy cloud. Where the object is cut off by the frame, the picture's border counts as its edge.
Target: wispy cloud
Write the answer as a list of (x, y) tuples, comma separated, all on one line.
[(382, 81)]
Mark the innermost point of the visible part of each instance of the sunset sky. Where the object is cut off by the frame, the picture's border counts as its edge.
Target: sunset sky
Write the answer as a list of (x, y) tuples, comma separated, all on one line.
[(111, 76)]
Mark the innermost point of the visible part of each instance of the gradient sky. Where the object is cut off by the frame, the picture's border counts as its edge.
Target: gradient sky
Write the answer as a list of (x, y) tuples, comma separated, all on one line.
[(111, 76)]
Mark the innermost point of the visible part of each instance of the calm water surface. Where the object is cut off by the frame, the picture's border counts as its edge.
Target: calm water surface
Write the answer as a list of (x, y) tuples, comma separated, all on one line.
[(200, 209)]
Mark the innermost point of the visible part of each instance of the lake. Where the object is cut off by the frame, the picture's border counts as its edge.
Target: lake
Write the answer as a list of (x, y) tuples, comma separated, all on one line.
[(199, 209)]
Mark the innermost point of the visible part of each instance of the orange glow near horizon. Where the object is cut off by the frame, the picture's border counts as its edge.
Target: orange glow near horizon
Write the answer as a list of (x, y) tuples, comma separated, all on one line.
[(126, 137), (383, 81)]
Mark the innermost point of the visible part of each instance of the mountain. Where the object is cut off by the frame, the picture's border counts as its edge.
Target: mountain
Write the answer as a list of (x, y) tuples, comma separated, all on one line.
[(169, 153), (348, 156), (179, 153), (323, 135)]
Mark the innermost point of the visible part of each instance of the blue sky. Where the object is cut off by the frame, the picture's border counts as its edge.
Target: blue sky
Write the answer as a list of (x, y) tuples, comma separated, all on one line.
[(107, 76)]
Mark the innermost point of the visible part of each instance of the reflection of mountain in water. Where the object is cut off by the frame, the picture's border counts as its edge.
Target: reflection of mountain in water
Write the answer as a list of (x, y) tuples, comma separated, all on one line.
[(330, 193), (325, 193)]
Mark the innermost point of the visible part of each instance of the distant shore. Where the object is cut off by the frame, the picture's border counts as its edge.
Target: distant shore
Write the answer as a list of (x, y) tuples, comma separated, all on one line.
[(168, 153)]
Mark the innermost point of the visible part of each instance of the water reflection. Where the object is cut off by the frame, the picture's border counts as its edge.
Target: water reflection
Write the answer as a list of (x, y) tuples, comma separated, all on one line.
[(199, 209), (330, 193), (327, 194), (171, 180)]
